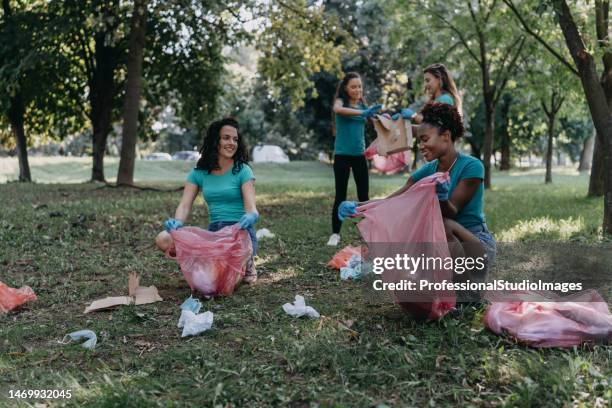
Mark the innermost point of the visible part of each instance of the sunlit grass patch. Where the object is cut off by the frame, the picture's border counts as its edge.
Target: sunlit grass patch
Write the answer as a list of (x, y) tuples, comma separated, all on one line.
[(542, 228)]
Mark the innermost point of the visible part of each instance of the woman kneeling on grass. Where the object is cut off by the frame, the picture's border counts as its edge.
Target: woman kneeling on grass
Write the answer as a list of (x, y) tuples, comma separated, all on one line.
[(461, 199), (227, 185)]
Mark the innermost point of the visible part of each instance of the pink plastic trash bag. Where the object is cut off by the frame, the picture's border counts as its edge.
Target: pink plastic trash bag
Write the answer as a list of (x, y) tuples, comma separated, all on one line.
[(551, 321), (11, 298), (412, 219), (371, 151), (212, 262), (390, 164)]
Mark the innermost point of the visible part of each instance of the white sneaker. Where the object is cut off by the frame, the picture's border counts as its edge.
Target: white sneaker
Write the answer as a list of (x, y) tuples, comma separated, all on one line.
[(333, 239)]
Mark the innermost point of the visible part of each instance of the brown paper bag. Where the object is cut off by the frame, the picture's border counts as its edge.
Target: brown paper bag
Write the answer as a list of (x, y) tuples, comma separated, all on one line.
[(393, 136)]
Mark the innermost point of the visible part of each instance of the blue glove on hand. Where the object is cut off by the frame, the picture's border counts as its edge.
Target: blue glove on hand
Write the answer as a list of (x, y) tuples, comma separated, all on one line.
[(442, 190), (172, 224), (371, 111), (248, 220), (346, 209), (407, 113)]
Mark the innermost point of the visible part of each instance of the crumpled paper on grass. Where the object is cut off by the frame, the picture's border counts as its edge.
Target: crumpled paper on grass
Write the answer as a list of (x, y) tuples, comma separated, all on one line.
[(193, 322), (138, 295), (299, 308), (264, 233)]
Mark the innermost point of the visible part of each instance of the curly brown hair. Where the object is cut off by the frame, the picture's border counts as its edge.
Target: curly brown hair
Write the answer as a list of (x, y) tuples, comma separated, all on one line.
[(444, 117)]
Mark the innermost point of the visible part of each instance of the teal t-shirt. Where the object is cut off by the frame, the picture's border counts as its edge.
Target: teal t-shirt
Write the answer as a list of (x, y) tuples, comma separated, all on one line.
[(350, 134), (466, 167), (446, 98), (222, 192)]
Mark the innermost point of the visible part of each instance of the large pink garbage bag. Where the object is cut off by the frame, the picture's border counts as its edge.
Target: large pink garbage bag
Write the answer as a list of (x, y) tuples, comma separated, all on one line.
[(390, 164), (10, 298), (212, 262), (413, 217), (551, 321)]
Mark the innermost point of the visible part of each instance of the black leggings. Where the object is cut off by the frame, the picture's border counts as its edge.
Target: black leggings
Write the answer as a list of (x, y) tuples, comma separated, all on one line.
[(342, 169)]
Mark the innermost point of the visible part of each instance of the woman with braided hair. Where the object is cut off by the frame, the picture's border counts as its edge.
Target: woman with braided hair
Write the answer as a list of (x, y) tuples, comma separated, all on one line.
[(461, 198)]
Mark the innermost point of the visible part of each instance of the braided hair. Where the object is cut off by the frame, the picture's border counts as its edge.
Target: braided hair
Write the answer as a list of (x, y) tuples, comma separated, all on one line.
[(444, 117)]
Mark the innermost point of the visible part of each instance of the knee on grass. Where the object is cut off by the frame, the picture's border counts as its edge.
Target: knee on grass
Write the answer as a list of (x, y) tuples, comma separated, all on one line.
[(164, 241)]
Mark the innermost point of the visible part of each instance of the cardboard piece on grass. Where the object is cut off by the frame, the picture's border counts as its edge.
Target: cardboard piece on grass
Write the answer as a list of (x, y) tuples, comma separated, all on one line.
[(392, 136), (142, 295), (138, 295)]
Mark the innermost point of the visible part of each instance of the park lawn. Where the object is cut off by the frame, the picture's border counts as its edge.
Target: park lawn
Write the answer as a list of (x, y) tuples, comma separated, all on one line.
[(73, 243)]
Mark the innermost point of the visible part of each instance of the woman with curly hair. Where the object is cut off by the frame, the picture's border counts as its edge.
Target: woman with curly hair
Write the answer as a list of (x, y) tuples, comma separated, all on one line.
[(227, 183), (461, 199)]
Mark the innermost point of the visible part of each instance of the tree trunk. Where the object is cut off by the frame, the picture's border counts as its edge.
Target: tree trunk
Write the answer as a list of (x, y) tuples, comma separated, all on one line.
[(586, 154), (487, 146), (549, 149), (132, 94), (101, 98), (596, 99), (598, 171), (16, 114), (505, 150)]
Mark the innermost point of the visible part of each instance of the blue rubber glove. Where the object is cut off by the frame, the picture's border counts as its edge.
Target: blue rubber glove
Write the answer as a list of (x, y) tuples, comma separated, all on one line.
[(371, 111), (407, 113), (172, 224), (346, 209), (248, 220), (396, 116), (442, 190)]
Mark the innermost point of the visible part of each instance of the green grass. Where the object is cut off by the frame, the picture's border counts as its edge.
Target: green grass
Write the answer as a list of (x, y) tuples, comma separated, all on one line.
[(255, 355)]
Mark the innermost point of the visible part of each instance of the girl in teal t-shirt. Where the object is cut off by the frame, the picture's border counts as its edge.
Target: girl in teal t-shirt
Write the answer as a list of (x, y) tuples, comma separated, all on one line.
[(350, 114), (227, 185), (440, 87)]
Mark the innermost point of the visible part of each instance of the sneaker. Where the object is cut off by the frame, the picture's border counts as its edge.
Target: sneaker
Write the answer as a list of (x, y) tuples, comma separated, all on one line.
[(334, 239), (250, 275)]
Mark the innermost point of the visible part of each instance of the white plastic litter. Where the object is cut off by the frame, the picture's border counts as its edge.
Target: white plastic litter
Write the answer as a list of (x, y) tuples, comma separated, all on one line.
[(299, 308), (264, 233), (356, 268), (91, 337), (194, 324)]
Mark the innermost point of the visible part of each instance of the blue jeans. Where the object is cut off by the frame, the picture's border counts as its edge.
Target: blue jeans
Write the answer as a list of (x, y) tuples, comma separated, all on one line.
[(217, 225), (486, 239)]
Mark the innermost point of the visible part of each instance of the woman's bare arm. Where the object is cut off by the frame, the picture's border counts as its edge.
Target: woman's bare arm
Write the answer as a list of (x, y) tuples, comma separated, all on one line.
[(462, 194), (344, 111), (184, 208), (248, 196)]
